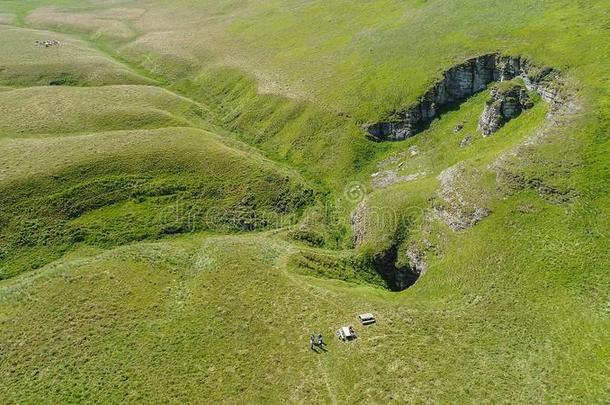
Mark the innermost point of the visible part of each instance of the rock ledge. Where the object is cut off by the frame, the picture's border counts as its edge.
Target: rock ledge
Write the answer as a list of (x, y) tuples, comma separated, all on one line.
[(508, 100), (463, 81)]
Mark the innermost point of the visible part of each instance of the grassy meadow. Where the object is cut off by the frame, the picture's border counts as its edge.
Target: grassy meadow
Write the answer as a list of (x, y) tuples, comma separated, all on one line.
[(182, 185)]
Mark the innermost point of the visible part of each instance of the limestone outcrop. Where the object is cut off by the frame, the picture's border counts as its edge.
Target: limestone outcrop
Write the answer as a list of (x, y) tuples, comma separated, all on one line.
[(398, 275), (461, 82), (507, 101), (462, 199)]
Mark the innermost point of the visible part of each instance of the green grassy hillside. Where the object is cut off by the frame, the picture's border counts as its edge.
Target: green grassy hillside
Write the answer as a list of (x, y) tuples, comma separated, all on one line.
[(187, 192), (71, 62), (77, 110), (109, 189)]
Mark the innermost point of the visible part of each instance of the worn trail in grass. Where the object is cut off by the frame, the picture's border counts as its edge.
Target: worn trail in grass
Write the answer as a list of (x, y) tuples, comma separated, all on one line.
[(153, 322)]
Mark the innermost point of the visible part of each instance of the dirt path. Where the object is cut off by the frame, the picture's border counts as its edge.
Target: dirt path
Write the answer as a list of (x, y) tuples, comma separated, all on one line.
[(322, 372)]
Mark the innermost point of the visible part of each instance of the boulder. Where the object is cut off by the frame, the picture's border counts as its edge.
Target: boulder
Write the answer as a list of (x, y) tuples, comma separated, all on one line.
[(507, 101)]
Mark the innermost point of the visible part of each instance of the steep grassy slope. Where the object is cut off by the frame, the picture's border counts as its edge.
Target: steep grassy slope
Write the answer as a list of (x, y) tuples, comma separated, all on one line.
[(145, 138), (65, 183), (112, 188)]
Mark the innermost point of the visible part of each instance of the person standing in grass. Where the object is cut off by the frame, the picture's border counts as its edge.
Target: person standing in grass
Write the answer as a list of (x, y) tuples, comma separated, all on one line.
[(312, 342), (321, 340)]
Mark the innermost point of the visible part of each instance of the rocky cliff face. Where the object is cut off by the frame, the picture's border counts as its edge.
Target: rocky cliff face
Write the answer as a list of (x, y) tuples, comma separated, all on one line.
[(507, 101), (397, 276), (461, 82)]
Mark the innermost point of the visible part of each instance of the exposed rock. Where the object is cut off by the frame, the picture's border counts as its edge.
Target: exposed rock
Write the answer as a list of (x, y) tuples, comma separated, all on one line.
[(359, 223), (398, 276), (466, 141), (458, 127), (507, 101), (389, 177), (414, 150), (393, 160), (417, 258), (461, 82), (509, 182), (463, 201), (510, 176)]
